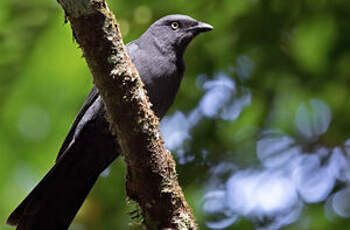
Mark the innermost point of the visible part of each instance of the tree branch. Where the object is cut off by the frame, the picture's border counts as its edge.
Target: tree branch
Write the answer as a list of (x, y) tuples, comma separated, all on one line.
[(151, 176)]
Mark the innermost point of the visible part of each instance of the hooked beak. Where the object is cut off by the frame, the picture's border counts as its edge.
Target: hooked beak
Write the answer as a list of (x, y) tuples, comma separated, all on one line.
[(203, 27)]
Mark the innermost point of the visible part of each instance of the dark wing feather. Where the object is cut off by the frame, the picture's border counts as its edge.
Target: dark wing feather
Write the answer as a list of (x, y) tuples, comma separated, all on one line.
[(132, 49), (93, 95)]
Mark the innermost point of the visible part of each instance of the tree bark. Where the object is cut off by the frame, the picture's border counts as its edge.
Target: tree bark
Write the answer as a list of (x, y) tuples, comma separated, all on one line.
[(151, 176)]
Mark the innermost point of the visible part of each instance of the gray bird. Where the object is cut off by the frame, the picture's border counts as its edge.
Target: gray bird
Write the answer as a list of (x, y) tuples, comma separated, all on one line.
[(89, 147)]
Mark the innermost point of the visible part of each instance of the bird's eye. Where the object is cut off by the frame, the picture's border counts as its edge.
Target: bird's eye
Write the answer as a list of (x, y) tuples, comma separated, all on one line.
[(175, 25)]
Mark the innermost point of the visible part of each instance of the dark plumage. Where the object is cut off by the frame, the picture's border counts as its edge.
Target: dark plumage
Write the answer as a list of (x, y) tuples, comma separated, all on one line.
[(89, 146)]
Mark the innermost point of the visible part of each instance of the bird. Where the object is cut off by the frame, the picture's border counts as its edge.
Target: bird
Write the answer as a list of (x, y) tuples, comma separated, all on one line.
[(89, 148)]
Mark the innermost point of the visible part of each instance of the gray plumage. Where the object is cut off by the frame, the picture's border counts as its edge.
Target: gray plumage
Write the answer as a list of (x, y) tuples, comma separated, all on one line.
[(89, 146)]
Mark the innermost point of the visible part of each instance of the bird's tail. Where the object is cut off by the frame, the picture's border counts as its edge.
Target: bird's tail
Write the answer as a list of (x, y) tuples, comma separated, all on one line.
[(54, 202)]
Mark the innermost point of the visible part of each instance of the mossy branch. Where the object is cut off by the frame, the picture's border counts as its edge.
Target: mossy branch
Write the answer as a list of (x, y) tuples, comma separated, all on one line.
[(151, 176)]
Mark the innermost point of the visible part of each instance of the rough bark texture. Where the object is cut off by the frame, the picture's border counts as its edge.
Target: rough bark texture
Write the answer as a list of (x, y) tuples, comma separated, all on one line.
[(151, 176)]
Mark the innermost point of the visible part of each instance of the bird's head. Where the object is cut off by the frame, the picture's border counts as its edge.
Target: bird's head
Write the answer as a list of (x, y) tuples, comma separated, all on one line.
[(176, 31)]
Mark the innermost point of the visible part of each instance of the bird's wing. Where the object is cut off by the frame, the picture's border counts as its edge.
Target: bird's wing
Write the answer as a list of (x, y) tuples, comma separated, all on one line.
[(88, 102), (132, 49)]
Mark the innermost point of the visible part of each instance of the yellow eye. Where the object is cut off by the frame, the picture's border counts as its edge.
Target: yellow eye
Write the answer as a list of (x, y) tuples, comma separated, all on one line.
[(175, 25)]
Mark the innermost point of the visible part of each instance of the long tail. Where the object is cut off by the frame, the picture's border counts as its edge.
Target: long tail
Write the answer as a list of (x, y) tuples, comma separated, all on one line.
[(54, 202)]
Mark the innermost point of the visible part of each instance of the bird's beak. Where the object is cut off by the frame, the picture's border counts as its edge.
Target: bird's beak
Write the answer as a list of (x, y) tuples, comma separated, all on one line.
[(203, 27)]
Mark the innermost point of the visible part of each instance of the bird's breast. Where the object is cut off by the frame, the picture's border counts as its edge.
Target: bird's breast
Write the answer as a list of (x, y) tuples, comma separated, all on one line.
[(161, 75), (162, 83)]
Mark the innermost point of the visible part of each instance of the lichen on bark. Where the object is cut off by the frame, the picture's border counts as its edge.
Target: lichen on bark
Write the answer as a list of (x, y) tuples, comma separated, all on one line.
[(151, 176)]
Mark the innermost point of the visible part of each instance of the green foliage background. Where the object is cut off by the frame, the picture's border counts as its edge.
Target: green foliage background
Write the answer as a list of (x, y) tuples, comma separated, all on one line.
[(300, 50)]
